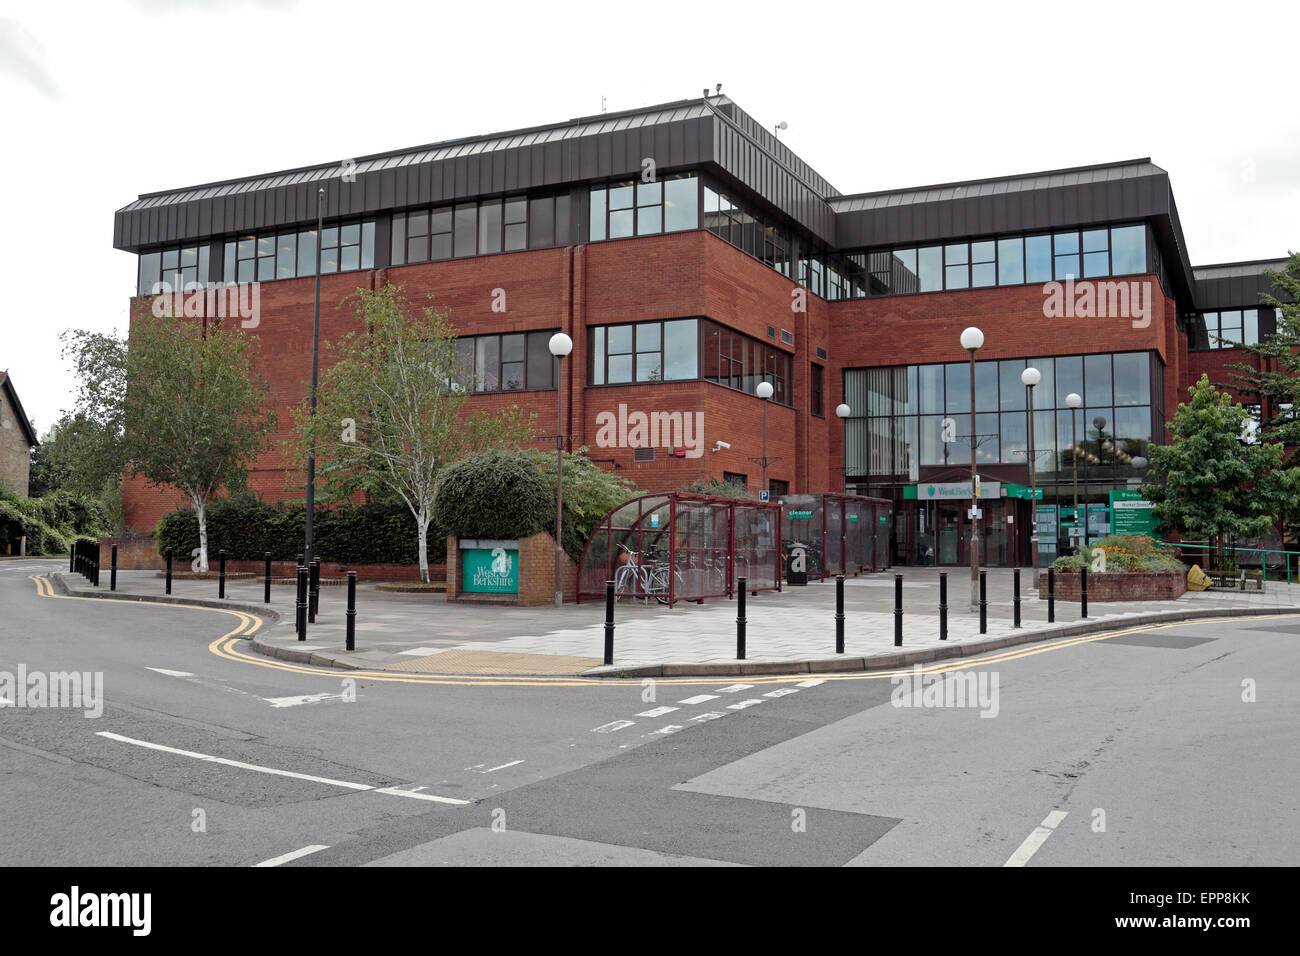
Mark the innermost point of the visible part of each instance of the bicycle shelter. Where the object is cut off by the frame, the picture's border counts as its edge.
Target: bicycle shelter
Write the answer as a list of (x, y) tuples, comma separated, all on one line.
[(683, 547), (844, 534)]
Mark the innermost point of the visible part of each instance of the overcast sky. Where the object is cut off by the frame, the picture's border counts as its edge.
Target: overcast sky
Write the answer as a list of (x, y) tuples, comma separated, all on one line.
[(105, 100)]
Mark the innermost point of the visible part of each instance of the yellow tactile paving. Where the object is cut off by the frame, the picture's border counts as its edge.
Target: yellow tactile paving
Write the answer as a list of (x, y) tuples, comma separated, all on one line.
[(495, 662)]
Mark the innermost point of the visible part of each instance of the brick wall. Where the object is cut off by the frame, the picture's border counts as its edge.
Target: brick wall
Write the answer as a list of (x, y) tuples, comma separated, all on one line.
[(15, 453), (1126, 586)]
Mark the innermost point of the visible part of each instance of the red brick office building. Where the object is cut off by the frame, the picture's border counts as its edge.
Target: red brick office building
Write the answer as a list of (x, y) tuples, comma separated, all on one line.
[(690, 255)]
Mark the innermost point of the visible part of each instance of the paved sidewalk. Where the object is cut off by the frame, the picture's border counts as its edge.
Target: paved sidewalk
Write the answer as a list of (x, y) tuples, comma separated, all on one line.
[(788, 632)]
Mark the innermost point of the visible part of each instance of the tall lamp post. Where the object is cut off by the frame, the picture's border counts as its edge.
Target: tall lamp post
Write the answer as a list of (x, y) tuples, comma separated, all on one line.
[(315, 364), (1031, 377), (1074, 401), (971, 340), (764, 391), (842, 411), (1098, 423), (560, 345)]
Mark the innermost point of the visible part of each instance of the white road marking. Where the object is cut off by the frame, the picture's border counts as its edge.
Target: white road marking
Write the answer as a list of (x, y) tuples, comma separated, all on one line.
[(285, 858), (417, 795), (782, 692), (733, 688), (1037, 838), (698, 699), (163, 670), (224, 761), (612, 726), (811, 683), (303, 699), (502, 767), (742, 704), (421, 651), (712, 715), (670, 729), (657, 712)]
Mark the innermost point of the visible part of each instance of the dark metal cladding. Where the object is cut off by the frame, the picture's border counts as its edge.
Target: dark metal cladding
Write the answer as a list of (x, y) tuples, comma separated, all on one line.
[(1235, 285)]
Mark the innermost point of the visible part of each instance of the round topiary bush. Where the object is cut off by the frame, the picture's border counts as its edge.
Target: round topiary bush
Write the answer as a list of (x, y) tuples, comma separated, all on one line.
[(492, 494)]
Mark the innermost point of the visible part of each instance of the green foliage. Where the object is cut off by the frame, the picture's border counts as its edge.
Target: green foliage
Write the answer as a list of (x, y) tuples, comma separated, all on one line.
[(720, 489), (1277, 378), (493, 494), (50, 523), (1124, 552), (1070, 563), (1211, 483), (246, 529), (590, 493)]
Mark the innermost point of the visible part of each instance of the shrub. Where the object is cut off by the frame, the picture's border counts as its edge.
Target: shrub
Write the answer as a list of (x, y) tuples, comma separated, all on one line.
[(492, 494), (590, 493), (50, 524), (720, 489), (246, 529)]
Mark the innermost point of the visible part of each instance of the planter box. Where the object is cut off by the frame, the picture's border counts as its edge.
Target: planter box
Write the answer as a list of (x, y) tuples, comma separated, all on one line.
[(1119, 586)]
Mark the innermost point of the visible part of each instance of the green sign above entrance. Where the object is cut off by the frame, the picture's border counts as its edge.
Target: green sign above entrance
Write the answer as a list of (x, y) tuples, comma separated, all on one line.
[(490, 571), (1131, 514)]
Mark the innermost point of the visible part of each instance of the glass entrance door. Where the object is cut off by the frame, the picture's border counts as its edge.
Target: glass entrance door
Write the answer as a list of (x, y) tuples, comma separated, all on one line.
[(951, 533)]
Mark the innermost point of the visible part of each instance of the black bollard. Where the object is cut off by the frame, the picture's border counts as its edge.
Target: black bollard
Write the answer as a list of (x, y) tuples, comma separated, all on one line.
[(839, 614), (1051, 595), (1015, 597), (984, 603), (72, 559), (352, 611), (169, 570), (1083, 592), (943, 605), (96, 568), (609, 623), (301, 607), (898, 610), (313, 591), (112, 574), (740, 619), (221, 574), (266, 586)]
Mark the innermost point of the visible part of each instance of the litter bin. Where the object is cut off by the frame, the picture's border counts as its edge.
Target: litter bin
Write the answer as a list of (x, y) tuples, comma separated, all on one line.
[(796, 564)]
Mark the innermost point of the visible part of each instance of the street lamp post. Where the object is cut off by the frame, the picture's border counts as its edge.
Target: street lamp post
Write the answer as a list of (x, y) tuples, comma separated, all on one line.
[(971, 340), (1098, 423), (560, 345), (315, 364), (1074, 401), (843, 411), (764, 391), (1031, 377)]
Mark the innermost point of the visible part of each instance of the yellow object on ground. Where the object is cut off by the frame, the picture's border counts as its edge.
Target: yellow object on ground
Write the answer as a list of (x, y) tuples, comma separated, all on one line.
[(1198, 580)]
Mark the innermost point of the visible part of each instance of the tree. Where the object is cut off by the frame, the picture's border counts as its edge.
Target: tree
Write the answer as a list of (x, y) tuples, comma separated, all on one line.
[(195, 414), (590, 493), (84, 451), (391, 408), (1276, 377), (1211, 482)]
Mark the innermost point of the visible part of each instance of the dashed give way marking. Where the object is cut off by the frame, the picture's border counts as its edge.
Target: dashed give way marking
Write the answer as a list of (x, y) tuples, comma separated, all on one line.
[(1037, 838), (224, 761), (698, 699), (286, 857)]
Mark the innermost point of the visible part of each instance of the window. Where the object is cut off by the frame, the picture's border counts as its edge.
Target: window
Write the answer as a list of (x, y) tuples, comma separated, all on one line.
[(179, 269), (1227, 329), (1011, 261), (956, 273), (930, 268), (777, 488), (735, 478), (510, 362), (465, 227), (1038, 259), (345, 247), (489, 227), (1096, 253), (816, 389), (983, 265), (739, 362), (1065, 256), (1128, 250), (644, 352)]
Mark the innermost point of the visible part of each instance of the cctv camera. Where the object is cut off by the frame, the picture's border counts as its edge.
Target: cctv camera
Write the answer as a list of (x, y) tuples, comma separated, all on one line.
[(718, 446)]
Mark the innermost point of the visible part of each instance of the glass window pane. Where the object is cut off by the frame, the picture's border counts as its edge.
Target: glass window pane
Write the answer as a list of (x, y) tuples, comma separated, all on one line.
[(1065, 243), (1096, 378), (1066, 267), (620, 224), (265, 247), (266, 269), (1012, 396), (1015, 438), (516, 210), (983, 275), (540, 361), (1132, 378), (350, 235), (489, 227), (681, 204), (1069, 377), (440, 247), (512, 348), (417, 224), (649, 367), (286, 256), (516, 236), (1095, 240), (329, 258), (1045, 393), (598, 356), (398, 248), (204, 264), (466, 241), (247, 271), (1128, 248), (620, 338), (1011, 261), (1095, 264), (329, 237), (957, 376), (986, 386), (649, 194), (170, 259), (620, 197), (1132, 425), (930, 261), (151, 270), (541, 222), (417, 249), (245, 248), (487, 361), (597, 231), (440, 220), (228, 263), (930, 388), (681, 345), (1038, 258), (1250, 327), (620, 368), (649, 220), (647, 337), (934, 449), (349, 258), (512, 375)]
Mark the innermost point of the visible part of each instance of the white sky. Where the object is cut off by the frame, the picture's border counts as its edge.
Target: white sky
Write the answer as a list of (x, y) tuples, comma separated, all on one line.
[(116, 98)]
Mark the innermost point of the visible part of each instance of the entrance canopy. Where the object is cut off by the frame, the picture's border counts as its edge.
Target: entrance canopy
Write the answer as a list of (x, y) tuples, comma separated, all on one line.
[(845, 534), (683, 547)]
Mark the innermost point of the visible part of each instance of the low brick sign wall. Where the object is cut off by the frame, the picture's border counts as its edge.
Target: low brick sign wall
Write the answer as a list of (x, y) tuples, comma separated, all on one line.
[(1119, 586), (533, 574)]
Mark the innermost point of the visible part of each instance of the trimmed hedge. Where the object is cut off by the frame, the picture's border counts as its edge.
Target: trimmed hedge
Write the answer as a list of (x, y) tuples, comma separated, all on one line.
[(50, 524), (493, 494), (359, 534)]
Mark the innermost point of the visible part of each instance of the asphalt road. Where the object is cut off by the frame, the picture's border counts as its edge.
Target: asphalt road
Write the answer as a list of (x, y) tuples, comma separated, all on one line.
[(1167, 746)]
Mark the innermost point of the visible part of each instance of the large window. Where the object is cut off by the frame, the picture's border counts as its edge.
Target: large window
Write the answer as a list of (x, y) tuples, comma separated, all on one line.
[(905, 418), (1229, 328), (644, 352), (179, 268), (1009, 260), (634, 208), (345, 247), (473, 229), (510, 362)]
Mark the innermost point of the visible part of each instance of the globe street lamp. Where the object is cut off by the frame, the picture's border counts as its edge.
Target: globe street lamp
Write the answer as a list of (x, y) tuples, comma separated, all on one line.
[(764, 391), (843, 411), (1031, 377), (1074, 401), (971, 340), (560, 345), (1098, 423)]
